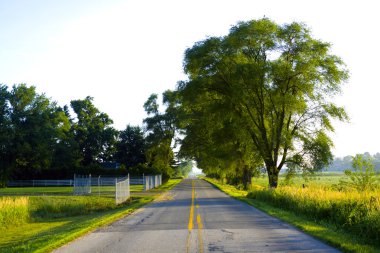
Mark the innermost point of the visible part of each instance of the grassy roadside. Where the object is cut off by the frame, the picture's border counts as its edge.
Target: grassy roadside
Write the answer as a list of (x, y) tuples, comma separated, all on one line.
[(44, 235), (323, 231)]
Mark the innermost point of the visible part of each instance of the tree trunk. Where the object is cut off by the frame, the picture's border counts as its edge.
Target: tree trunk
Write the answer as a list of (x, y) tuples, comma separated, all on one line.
[(247, 177), (273, 177)]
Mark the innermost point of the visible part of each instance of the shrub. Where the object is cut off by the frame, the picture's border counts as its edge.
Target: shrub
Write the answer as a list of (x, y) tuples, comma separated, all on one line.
[(363, 176)]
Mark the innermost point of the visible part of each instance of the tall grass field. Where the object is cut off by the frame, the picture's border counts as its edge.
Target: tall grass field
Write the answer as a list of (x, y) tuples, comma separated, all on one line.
[(355, 212), (14, 211), (345, 218)]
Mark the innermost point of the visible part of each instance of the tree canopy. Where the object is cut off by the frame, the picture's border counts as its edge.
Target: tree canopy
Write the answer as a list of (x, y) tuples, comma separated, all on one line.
[(160, 130), (131, 147), (93, 132), (272, 86)]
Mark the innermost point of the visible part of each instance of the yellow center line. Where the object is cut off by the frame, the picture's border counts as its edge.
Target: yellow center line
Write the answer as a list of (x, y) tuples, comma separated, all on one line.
[(200, 227), (199, 222), (190, 225), (191, 215)]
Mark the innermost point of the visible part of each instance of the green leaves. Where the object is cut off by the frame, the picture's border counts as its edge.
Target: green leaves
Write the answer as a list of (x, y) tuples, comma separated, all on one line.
[(274, 82), (32, 129), (131, 147), (93, 132), (160, 130), (362, 177)]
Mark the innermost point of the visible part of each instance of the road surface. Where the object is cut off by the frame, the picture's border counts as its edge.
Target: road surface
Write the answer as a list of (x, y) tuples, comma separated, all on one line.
[(197, 217)]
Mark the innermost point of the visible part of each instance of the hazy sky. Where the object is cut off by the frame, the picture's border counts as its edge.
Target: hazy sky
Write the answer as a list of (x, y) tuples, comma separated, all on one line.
[(120, 52)]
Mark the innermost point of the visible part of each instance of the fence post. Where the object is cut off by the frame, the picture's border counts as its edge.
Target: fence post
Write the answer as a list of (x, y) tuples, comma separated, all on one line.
[(89, 182), (129, 185), (98, 185)]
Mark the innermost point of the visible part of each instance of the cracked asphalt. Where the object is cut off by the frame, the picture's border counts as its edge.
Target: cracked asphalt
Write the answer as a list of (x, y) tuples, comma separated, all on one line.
[(197, 217)]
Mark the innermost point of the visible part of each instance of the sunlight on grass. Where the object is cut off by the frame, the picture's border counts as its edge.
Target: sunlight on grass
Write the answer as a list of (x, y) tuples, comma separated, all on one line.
[(56, 220), (13, 211), (330, 233)]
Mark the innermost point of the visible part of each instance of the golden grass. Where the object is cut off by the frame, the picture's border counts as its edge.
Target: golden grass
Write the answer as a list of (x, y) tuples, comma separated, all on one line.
[(362, 235), (13, 211), (353, 211)]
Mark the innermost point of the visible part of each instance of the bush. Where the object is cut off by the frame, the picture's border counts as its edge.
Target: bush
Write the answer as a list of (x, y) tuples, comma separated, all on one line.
[(363, 177)]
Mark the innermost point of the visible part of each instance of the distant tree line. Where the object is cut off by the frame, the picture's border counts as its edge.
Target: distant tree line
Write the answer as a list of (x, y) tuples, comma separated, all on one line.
[(40, 139), (344, 163)]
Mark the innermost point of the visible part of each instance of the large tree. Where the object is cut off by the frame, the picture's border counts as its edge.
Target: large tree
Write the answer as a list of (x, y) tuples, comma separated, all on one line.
[(213, 140), (36, 126), (67, 156), (278, 81), (93, 132), (5, 135), (161, 130), (131, 147)]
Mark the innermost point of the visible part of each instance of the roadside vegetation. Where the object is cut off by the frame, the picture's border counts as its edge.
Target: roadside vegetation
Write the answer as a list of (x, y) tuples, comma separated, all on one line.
[(261, 100), (332, 207), (41, 140), (14, 211), (42, 223)]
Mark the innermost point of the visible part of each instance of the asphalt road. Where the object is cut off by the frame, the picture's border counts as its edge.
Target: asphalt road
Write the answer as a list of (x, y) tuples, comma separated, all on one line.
[(196, 217)]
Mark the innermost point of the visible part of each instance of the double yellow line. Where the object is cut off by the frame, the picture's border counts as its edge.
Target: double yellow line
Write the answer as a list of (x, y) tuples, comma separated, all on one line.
[(191, 223)]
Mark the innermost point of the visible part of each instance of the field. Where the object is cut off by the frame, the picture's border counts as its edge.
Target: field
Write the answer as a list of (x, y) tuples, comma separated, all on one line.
[(42, 218), (346, 218), (320, 179)]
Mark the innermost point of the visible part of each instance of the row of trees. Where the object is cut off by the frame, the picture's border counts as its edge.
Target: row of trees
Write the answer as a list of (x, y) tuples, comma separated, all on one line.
[(259, 98), (344, 163), (39, 139)]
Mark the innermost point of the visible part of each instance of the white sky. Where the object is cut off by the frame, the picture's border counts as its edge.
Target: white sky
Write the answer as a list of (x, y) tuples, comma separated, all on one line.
[(120, 52)]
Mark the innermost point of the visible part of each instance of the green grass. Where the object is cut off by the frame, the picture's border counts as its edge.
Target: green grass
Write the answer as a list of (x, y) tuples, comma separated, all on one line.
[(321, 179), (56, 220), (324, 231), (327, 180)]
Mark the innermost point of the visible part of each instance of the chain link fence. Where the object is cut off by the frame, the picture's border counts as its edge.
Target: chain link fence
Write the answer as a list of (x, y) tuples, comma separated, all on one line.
[(151, 182), (122, 191), (95, 181)]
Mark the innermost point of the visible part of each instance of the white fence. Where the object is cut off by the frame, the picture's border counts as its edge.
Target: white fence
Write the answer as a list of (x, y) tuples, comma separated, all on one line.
[(151, 182), (82, 185), (38, 183), (95, 181), (122, 191)]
